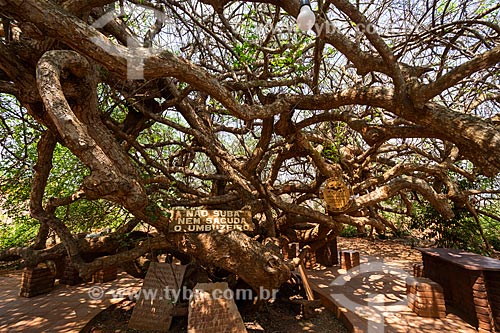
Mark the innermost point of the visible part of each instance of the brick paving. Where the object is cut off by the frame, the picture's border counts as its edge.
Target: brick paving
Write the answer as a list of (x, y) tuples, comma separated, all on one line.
[(376, 290), (64, 309)]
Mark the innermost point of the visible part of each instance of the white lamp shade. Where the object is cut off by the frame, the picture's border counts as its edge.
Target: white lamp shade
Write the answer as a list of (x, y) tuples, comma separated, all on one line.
[(306, 18)]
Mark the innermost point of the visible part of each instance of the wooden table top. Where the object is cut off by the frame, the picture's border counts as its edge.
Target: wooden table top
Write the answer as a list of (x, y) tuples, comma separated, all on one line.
[(467, 260)]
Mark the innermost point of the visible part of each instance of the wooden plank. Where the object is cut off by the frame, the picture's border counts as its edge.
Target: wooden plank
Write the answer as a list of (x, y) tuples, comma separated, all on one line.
[(305, 281)]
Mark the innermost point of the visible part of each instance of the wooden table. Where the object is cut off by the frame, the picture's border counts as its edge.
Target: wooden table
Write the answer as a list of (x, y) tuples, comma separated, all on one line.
[(471, 283)]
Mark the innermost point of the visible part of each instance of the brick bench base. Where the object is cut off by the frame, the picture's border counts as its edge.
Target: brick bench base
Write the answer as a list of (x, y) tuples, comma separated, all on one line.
[(425, 297), (36, 281), (70, 275), (105, 275), (418, 270)]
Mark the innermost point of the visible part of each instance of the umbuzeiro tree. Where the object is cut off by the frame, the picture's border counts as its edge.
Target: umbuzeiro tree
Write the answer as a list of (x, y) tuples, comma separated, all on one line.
[(225, 105)]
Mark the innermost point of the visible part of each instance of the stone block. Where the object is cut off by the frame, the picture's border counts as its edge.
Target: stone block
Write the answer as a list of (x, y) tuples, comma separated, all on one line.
[(328, 255), (425, 297), (423, 284), (480, 330), (481, 302), (425, 294), (485, 317), (418, 270), (71, 276), (291, 250), (480, 287), (479, 294), (483, 310), (426, 300), (349, 259), (210, 311), (104, 275), (36, 281), (310, 260), (485, 325), (428, 313), (154, 308)]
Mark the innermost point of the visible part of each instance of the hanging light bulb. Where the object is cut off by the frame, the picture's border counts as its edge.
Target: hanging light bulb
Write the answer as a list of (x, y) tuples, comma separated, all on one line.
[(306, 18)]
